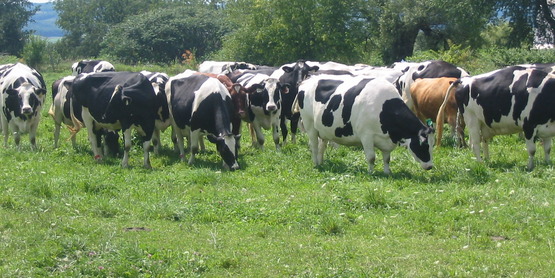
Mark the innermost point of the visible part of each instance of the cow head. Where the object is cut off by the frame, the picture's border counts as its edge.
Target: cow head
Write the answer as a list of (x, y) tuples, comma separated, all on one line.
[(227, 148), (296, 74), (239, 98), (420, 146), (273, 89), (28, 98)]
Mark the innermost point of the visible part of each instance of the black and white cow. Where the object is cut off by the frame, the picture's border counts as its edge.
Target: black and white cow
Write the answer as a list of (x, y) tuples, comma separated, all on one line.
[(218, 67), (23, 92), (116, 101), (359, 111), (509, 100), (163, 121), (86, 66), (201, 105), (292, 74), (60, 108), (427, 69), (264, 95)]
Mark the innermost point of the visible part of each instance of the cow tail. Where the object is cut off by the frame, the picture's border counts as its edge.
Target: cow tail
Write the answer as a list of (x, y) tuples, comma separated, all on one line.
[(77, 125), (441, 112), (52, 110)]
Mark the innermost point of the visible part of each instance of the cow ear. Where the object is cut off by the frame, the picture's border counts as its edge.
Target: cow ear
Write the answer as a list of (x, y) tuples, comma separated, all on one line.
[(314, 69), (237, 87), (214, 139), (12, 92), (40, 91), (287, 69), (255, 88), (126, 100), (68, 84), (285, 88)]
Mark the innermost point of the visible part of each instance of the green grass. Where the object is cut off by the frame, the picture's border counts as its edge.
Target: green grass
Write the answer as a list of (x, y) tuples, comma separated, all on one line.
[(62, 214)]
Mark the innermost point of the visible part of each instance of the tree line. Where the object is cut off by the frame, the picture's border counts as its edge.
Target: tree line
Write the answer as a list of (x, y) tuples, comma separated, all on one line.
[(275, 32)]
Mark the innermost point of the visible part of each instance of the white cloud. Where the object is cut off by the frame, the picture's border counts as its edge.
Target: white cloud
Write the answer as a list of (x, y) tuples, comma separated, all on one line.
[(40, 1)]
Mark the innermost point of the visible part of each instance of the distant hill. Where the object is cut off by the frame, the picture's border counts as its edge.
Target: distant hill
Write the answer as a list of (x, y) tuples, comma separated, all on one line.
[(45, 21)]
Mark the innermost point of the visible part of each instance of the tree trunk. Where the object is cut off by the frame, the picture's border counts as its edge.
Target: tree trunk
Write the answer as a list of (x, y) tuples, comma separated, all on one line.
[(548, 17)]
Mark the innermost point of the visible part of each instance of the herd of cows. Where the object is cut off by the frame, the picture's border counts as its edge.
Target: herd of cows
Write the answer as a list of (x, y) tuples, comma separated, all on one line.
[(355, 105)]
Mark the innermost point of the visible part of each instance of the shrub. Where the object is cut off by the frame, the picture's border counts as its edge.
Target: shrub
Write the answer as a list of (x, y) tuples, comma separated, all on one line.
[(34, 51)]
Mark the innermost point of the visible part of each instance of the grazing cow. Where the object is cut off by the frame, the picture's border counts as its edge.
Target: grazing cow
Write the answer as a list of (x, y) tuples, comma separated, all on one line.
[(428, 69), (263, 105), (23, 92), (86, 66), (238, 97), (163, 121), (116, 101), (359, 111), (507, 101), (200, 105), (292, 74), (428, 95), (224, 67)]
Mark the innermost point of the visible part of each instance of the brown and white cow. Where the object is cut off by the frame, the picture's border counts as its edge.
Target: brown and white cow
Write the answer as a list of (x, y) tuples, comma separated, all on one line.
[(427, 69), (427, 95)]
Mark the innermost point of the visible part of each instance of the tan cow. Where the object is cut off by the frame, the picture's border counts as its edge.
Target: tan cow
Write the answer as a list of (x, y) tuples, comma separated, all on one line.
[(428, 95)]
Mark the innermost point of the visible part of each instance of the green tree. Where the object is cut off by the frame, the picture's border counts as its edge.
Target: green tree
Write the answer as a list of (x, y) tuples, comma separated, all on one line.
[(163, 35), (400, 22), (528, 18), (275, 32), (14, 15), (87, 21)]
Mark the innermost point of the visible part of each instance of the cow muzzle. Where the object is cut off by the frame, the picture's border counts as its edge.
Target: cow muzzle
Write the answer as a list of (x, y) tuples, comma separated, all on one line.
[(271, 107), (427, 166), (28, 110)]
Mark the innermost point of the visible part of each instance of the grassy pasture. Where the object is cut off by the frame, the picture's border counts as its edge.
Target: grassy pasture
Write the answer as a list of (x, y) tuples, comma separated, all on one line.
[(62, 214)]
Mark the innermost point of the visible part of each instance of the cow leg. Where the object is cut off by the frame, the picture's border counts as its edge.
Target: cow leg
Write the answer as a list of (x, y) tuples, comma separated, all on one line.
[(259, 136), (126, 147), (386, 159), (485, 147), (146, 156), (475, 137), (294, 127), (5, 130), (174, 141), (156, 141), (370, 154), (33, 134), (17, 138), (93, 136), (322, 144), (531, 147), (201, 143), (56, 134), (313, 141), (178, 133), (275, 133), (283, 126), (194, 139), (547, 149)]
